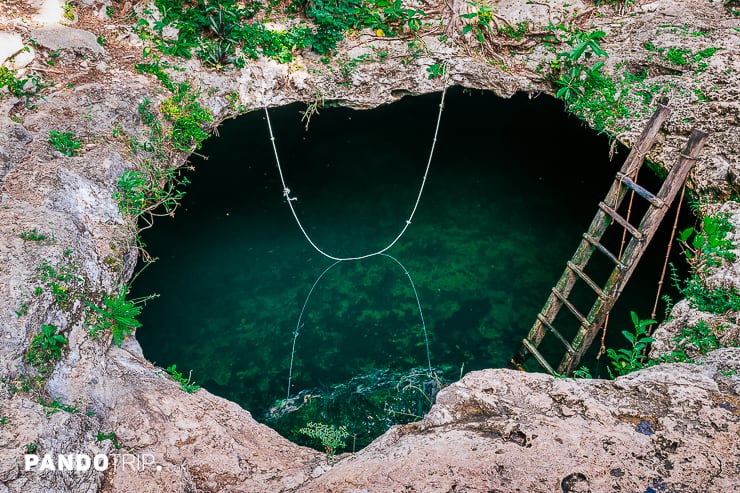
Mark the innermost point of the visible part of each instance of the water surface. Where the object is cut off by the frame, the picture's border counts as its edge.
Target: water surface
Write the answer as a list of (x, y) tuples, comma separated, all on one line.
[(512, 186)]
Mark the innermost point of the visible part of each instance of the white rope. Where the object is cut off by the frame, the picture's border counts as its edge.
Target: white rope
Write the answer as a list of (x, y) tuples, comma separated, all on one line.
[(290, 200)]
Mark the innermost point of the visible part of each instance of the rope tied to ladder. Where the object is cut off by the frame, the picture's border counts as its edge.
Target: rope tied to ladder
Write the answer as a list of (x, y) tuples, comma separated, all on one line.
[(290, 200), (665, 261), (602, 347)]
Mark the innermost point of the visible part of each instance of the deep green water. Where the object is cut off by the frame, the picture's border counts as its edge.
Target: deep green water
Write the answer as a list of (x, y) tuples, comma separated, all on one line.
[(513, 184)]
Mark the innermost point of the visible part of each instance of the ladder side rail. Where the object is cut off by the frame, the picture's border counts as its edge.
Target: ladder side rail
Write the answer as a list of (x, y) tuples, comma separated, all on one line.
[(645, 141)]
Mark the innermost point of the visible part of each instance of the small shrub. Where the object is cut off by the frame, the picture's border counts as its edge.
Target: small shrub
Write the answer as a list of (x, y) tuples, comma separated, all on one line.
[(437, 70), (188, 118), (33, 235), (331, 437), (61, 279), (185, 384), (117, 315), (26, 88), (46, 348), (582, 372), (699, 337), (481, 18), (586, 91), (65, 142), (630, 359), (705, 247)]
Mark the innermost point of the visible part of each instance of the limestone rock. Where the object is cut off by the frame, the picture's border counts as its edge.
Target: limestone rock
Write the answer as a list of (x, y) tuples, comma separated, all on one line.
[(64, 38), (22, 59), (10, 44), (13, 141), (500, 430)]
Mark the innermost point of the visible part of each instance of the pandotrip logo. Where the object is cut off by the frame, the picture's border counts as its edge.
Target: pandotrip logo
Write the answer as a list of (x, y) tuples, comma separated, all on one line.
[(85, 462)]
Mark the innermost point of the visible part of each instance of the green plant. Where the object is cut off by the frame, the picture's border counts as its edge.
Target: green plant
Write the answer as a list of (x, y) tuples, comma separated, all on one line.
[(117, 315), (155, 183), (677, 56), (69, 11), (224, 32), (705, 247), (61, 279), (24, 383), (33, 235), (626, 360), (109, 436), (481, 18), (26, 88), (586, 91), (52, 61), (712, 300), (187, 117), (515, 31), (649, 46), (331, 437), (621, 3), (700, 95), (65, 142), (46, 348), (31, 447), (54, 406), (185, 383), (710, 243), (437, 70), (156, 68), (4, 420), (582, 372), (699, 337), (22, 310)]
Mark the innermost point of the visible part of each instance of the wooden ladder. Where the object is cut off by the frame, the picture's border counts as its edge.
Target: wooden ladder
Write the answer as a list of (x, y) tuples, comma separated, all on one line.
[(624, 265)]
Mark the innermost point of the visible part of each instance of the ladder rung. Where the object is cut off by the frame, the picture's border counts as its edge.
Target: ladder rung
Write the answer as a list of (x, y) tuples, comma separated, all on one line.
[(591, 284), (617, 217), (603, 250), (544, 364), (552, 329), (573, 309), (645, 194)]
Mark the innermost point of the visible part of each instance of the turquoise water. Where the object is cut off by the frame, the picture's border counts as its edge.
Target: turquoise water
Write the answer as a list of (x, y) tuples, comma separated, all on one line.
[(512, 186)]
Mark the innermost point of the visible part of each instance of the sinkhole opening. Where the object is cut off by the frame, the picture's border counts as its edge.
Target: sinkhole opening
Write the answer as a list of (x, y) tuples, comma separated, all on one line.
[(247, 304)]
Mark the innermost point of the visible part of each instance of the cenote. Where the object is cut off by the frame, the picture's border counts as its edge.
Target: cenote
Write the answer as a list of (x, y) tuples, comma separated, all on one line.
[(513, 184)]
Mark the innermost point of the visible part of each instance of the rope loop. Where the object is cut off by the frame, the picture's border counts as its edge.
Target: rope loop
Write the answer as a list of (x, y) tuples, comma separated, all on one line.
[(290, 200)]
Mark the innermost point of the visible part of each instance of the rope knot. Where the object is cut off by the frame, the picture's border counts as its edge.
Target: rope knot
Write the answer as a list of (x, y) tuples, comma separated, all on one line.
[(286, 194)]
